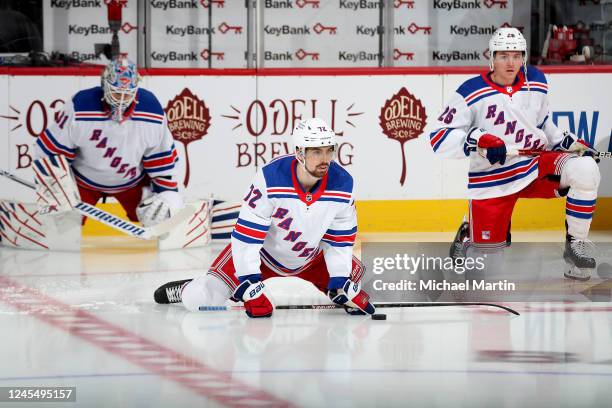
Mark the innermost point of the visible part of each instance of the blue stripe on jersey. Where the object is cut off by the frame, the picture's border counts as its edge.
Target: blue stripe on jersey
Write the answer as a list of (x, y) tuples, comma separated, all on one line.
[(253, 225), (579, 215), (158, 169), (283, 196), (246, 239), (44, 149), (338, 200), (342, 232), (484, 95), (58, 144), (501, 170), (157, 122), (222, 235), (503, 181), (580, 202), (91, 119), (532, 89), (337, 244), (162, 154), (436, 146)]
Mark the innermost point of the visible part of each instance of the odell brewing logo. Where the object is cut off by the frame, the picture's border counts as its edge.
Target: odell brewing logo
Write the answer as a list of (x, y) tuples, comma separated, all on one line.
[(188, 121), (403, 118)]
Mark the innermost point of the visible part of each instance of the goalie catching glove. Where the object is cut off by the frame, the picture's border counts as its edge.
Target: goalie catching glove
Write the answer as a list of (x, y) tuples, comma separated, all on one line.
[(156, 208), (251, 291), (347, 293), (56, 190)]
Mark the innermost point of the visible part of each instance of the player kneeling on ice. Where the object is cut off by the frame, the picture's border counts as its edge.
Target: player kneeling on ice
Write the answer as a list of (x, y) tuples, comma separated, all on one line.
[(298, 219), (117, 141), (488, 120)]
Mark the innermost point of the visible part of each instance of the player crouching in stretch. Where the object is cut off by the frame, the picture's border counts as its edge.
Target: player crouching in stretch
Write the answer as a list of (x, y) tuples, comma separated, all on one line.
[(298, 219), (117, 141), (507, 110)]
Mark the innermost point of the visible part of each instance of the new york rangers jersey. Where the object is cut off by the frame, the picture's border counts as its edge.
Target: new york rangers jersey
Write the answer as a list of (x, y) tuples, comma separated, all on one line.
[(109, 156), (285, 227), (517, 114)]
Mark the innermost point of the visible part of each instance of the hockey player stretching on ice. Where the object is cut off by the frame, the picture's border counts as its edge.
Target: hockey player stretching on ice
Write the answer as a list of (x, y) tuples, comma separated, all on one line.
[(506, 110), (297, 219), (116, 138)]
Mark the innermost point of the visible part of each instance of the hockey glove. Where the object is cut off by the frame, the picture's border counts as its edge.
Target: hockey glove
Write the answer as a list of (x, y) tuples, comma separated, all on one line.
[(495, 148), (347, 293), (251, 292), (572, 144)]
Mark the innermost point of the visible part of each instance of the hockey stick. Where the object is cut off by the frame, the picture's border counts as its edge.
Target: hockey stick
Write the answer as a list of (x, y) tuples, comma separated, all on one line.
[(376, 305), (522, 152), (526, 152), (113, 221)]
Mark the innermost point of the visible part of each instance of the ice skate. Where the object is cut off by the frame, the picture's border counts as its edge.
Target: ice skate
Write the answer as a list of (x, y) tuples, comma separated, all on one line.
[(579, 262), (461, 242), (170, 292)]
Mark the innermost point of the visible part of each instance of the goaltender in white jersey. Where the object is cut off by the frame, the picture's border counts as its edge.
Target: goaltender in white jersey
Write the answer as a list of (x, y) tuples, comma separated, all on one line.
[(297, 219), (117, 141)]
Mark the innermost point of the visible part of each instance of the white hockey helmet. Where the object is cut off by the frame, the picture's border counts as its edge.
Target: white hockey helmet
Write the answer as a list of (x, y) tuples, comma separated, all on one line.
[(313, 132), (507, 39), (120, 81)]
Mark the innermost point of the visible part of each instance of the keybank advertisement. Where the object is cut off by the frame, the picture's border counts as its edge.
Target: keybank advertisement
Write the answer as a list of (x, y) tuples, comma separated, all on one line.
[(294, 33), (226, 127)]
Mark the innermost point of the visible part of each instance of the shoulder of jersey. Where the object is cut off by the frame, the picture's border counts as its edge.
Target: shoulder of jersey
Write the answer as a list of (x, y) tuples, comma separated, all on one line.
[(277, 173), (474, 89), (148, 108), (88, 100), (338, 179), (537, 80)]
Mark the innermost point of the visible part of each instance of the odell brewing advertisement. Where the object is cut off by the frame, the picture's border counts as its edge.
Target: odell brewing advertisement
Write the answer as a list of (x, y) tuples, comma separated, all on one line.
[(227, 127)]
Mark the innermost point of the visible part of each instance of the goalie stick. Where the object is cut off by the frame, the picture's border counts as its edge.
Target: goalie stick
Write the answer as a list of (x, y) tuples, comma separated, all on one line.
[(376, 305), (90, 211)]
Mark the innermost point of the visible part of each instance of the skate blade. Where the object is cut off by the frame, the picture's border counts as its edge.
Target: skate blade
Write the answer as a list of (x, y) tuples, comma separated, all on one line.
[(576, 273)]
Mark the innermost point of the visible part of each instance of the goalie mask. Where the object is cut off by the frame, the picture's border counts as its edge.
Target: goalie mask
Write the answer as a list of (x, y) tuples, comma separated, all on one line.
[(311, 133), (507, 39), (120, 81)]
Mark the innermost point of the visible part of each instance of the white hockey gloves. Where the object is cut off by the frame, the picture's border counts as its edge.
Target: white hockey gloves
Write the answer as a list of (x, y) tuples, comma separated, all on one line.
[(56, 190), (572, 144), (158, 207), (347, 293)]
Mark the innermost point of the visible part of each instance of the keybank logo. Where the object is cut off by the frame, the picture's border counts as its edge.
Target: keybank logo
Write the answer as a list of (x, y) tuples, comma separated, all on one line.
[(456, 4), (188, 30), (174, 4), (455, 56), (358, 56), (473, 29), (174, 56), (91, 29), (285, 29), (68, 4), (358, 4)]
